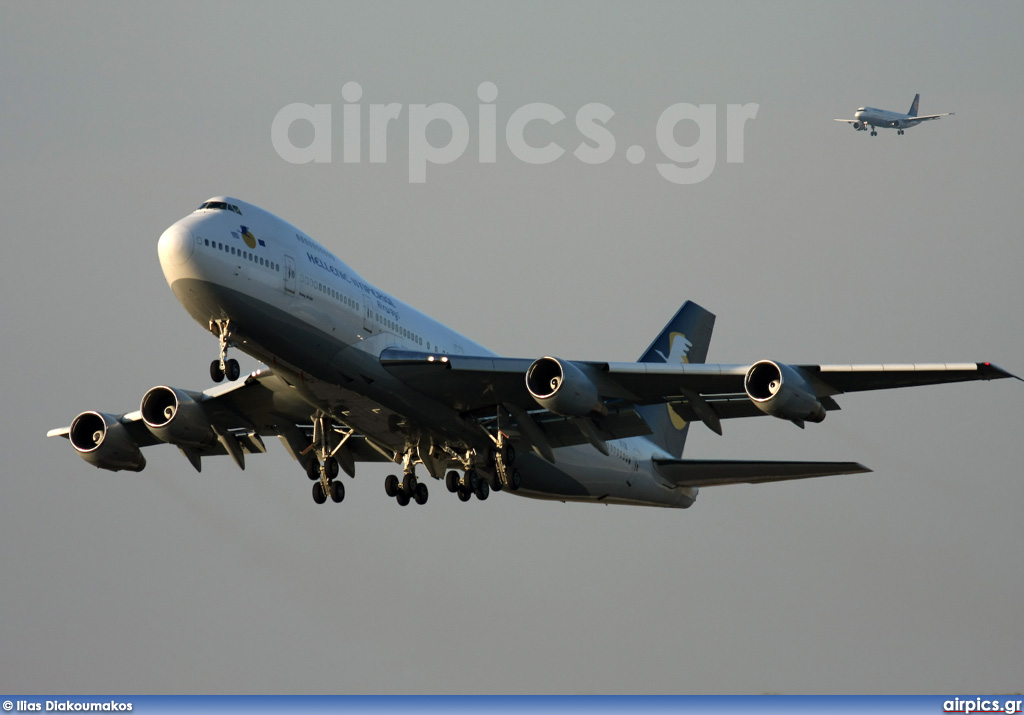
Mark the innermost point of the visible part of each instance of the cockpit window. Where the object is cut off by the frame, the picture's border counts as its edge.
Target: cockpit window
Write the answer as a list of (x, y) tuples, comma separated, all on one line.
[(219, 206)]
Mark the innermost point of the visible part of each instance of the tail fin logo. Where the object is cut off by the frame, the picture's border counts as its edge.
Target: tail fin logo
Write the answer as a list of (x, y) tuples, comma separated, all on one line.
[(677, 355), (679, 347)]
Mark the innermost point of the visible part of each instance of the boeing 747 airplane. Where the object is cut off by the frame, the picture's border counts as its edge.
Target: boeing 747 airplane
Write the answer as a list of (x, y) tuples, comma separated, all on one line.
[(870, 117), (356, 375)]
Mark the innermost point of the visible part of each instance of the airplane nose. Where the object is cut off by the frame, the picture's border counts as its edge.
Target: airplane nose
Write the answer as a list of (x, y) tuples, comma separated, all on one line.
[(176, 245)]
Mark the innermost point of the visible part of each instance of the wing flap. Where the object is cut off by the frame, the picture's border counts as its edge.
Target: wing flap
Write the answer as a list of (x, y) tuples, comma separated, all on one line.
[(713, 472)]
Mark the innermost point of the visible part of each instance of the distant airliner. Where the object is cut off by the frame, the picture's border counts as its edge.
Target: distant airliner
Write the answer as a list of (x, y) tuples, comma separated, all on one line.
[(870, 117), (357, 375)]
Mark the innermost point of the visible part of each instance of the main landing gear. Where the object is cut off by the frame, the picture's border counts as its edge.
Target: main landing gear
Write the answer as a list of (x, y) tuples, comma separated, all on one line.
[(408, 488), (503, 457), (467, 485), (324, 469), (502, 474), (223, 367)]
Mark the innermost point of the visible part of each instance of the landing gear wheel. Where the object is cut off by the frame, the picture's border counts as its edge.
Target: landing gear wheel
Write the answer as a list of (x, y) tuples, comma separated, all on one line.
[(470, 480), (313, 469), (391, 485), (402, 498), (515, 479), (421, 494), (464, 494), (451, 481), (337, 492), (482, 490), (332, 467), (318, 493), (216, 374), (409, 485), (231, 370)]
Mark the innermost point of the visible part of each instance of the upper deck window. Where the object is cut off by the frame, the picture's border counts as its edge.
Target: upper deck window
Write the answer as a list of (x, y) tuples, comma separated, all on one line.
[(219, 206)]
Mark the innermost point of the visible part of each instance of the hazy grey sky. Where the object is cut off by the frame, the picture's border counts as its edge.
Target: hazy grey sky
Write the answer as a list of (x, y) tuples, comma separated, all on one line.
[(824, 245)]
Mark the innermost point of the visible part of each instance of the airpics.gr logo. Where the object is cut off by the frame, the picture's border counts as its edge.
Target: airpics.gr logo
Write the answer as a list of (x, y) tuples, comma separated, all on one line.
[(246, 235), (679, 346)]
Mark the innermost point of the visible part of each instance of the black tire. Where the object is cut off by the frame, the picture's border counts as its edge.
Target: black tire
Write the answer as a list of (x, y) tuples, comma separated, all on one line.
[(332, 467), (233, 370), (451, 480), (216, 374), (482, 490), (510, 455), (515, 480), (470, 480), (402, 498), (318, 493), (391, 485), (464, 494), (337, 492), (409, 485), (313, 469), (421, 494)]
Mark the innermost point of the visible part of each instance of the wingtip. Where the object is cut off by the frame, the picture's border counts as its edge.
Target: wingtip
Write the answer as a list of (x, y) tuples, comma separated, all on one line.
[(994, 372)]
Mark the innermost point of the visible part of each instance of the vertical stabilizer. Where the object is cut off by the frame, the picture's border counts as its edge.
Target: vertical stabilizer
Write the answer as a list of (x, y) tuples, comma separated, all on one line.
[(684, 340), (913, 106)]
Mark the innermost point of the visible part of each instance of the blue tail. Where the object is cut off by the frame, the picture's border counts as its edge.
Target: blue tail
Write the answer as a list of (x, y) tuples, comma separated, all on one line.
[(684, 340), (913, 106)]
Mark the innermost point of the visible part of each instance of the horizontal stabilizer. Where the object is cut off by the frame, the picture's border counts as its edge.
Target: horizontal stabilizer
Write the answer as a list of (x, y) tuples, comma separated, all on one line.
[(714, 472)]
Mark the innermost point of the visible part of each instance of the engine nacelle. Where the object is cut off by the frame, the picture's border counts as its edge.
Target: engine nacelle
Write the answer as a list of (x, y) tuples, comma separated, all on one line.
[(101, 440), (782, 391), (561, 387), (174, 416), (859, 126)]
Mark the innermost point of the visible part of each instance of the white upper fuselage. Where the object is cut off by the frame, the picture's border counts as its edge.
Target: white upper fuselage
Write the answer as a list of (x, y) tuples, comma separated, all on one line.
[(249, 250), (884, 118), (298, 308)]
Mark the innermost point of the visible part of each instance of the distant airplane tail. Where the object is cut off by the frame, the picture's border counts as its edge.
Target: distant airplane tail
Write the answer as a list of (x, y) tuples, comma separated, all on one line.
[(913, 106), (684, 340)]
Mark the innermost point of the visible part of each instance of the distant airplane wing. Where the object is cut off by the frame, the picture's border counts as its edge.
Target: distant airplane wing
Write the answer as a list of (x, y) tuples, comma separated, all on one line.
[(713, 472), (707, 392), (933, 116), (848, 121)]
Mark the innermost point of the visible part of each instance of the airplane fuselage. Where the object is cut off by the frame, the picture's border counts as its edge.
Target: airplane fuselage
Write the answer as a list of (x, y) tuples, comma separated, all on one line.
[(299, 309), (885, 119)]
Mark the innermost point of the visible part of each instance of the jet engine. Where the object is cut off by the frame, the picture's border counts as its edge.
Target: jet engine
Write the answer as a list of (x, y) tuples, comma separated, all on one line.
[(101, 440), (782, 391), (561, 387), (175, 416), (859, 126)]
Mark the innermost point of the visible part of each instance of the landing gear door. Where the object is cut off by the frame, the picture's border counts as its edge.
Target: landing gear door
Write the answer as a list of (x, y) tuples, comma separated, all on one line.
[(289, 275)]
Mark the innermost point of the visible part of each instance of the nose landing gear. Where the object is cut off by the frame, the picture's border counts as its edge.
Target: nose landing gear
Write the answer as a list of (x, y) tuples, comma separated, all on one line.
[(223, 367)]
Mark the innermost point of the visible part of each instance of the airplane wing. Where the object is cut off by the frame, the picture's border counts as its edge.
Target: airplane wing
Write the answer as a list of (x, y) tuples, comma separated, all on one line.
[(933, 116), (848, 121), (227, 419), (713, 472), (696, 391)]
